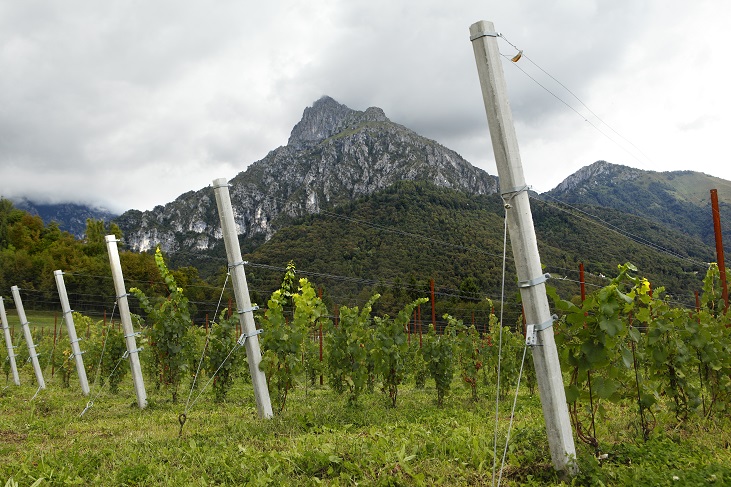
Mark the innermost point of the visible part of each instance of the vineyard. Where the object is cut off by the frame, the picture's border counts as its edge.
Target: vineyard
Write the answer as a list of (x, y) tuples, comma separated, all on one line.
[(368, 399)]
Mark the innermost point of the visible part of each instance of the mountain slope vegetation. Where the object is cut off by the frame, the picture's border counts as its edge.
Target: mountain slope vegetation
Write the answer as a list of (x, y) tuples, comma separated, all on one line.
[(679, 199), (396, 240)]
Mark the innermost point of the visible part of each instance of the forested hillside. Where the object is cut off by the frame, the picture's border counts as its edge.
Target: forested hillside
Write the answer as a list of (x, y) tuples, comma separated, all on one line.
[(401, 238), (679, 200), (30, 251), (393, 242)]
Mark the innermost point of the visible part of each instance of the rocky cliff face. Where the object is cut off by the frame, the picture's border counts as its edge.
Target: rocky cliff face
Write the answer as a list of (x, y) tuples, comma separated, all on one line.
[(334, 154), (596, 174)]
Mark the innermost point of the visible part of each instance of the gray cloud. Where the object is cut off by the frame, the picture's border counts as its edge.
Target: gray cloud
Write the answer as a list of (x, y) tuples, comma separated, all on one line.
[(129, 104)]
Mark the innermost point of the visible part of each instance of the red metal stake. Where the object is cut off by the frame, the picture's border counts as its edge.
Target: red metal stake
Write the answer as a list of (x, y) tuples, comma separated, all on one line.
[(319, 295), (524, 322), (698, 306), (418, 314), (433, 306), (582, 282), (55, 330), (408, 336), (719, 245)]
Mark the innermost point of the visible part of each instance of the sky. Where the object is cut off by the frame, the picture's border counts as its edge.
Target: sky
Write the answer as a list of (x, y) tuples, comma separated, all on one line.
[(128, 104)]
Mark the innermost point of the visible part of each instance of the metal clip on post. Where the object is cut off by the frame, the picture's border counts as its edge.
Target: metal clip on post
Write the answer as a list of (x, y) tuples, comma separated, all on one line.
[(240, 263), (126, 353), (244, 336), (72, 355), (247, 310), (531, 331), (534, 282)]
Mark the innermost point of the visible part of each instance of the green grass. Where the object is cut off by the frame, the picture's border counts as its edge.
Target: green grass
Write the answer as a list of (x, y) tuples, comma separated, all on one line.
[(37, 320), (318, 439)]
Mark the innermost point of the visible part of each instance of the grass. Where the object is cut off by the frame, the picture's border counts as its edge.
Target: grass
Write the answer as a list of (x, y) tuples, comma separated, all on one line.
[(320, 440), (37, 320)]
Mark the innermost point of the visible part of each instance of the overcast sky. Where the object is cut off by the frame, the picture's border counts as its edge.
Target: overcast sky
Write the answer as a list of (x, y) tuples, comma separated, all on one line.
[(128, 104)]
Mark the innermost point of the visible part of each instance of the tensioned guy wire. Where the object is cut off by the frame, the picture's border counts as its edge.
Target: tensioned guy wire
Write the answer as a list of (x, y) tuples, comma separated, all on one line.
[(636, 238), (205, 347), (512, 415), (500, 347), (521, 55)]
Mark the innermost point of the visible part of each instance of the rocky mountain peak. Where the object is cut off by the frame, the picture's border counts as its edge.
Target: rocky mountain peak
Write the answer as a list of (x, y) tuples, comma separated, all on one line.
[(325, 118), (600, 172), (335, 155)]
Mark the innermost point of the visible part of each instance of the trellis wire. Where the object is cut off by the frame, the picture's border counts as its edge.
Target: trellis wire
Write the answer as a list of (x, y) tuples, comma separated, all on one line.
[(205, 346), (90, 403), (500, 348), (512, 416)]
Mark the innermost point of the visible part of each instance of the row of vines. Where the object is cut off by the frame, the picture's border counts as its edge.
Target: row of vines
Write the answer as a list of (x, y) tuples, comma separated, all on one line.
[(628, 342), (624, 342)]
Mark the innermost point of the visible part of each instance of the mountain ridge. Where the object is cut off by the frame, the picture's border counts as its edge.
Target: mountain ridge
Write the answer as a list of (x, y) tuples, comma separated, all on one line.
[(334, 154), (70, 217), (676, 199)]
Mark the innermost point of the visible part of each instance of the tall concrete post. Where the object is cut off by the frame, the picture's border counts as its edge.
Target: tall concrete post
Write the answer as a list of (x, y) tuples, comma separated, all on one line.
[(71, 329), (28, 337), (523, 241), (126, 319), (9, 342), (243, 301)]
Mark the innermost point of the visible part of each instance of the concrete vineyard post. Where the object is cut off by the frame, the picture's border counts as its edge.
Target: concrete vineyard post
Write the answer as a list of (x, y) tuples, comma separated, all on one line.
[(71, 329), (9, 342), (531, 278), (126, 319), (243, 301), (28, 337)]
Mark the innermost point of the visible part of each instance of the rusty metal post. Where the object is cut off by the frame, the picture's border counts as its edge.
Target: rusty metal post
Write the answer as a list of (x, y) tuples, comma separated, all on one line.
[(719, 245)]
